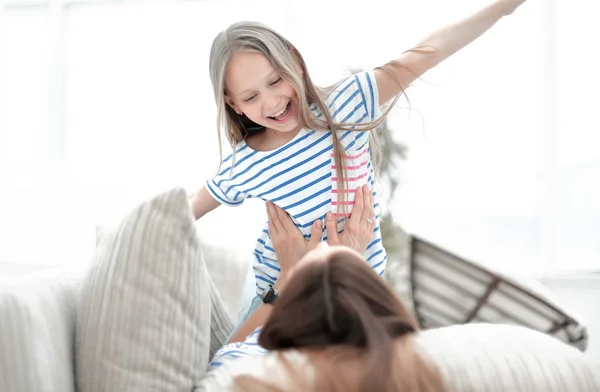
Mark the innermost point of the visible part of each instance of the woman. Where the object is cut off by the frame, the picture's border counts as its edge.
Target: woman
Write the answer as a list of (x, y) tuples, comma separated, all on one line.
[(351, 325), (338, 327)]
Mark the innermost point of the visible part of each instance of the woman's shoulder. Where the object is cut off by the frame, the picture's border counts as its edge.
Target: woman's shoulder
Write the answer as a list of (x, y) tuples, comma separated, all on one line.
[(272, 367)]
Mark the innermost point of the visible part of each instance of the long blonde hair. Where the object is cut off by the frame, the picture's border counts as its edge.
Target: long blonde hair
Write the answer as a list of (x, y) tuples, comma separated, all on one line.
[(287, 61)]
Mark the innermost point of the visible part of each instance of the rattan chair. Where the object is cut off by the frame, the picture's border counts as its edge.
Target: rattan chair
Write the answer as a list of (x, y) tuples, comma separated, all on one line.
[(448, 290)]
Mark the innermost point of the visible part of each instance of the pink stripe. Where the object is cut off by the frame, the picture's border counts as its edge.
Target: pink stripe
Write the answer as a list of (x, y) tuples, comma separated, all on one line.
[(341, 214), (345, 191), (351, 178), (363, 163), (353, 156), (345, 203)]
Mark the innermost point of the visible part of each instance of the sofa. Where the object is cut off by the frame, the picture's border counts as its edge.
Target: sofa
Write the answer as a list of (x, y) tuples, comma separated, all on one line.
[(136, 319)]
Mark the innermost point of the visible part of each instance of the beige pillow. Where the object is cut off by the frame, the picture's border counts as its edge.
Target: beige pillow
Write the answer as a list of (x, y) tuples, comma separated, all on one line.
[(144, 316), (37, 325)]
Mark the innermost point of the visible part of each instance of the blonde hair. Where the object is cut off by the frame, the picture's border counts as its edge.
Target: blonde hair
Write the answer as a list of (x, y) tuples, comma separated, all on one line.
[(287, 61)]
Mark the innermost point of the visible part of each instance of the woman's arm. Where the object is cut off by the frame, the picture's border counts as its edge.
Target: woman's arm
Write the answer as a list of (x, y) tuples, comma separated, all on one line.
[(397, 75), (256, 319), (290, 245)]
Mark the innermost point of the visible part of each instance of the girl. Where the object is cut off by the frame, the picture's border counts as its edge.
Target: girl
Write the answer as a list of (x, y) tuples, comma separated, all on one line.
[(304, 148)]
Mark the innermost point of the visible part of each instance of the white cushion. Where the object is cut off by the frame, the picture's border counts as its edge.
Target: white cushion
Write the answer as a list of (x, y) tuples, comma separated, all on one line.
[(232, 274), (492, 357), (144, 317), (37, 325)]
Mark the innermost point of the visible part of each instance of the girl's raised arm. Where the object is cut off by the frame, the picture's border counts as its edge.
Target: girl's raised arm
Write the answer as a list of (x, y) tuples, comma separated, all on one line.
[(398, 74)]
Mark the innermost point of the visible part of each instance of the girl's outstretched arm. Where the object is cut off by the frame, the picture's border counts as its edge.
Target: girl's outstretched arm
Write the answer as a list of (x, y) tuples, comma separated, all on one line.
[(398, 74), (202, 203)]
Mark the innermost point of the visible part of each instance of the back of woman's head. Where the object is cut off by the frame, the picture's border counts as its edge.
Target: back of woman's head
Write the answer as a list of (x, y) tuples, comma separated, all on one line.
[(340, 300), (340, 304)]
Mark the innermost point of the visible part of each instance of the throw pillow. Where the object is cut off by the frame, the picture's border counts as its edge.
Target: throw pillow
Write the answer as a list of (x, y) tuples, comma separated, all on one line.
[(144, 316)]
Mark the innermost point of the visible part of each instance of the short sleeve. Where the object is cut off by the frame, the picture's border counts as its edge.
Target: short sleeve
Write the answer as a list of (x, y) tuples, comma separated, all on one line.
[(220, 186), (355, 100), (272, 367), (231, 351)]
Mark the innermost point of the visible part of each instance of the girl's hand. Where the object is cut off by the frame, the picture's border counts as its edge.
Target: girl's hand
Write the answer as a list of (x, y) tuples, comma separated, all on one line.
[(510, 5), (359, 227), (289, 243)]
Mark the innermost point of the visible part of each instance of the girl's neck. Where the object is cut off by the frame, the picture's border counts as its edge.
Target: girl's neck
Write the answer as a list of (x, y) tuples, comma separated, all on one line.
[(270, 139)]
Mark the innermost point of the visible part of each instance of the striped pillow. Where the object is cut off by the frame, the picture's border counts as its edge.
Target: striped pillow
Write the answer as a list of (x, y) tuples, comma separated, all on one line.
[(37, 323), (144, 316)]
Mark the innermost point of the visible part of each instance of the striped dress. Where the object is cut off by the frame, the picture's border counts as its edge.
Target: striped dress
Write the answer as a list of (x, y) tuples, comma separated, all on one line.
[(300, 176)]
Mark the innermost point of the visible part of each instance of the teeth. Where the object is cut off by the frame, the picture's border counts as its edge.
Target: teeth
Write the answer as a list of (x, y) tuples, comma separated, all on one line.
[(279, 113)]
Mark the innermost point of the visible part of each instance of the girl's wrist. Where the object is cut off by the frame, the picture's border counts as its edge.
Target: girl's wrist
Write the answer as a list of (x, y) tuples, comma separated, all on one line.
[(505, 7)]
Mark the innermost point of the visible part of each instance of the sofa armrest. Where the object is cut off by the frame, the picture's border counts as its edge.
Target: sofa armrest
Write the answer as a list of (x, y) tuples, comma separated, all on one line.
[(37, 327)]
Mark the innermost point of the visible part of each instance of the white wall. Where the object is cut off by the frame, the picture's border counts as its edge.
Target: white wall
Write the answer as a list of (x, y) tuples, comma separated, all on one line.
[(104, 103)]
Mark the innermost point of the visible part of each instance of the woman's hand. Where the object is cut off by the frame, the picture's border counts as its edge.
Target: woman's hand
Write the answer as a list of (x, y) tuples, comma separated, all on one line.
[(359, 228), (289, 243)]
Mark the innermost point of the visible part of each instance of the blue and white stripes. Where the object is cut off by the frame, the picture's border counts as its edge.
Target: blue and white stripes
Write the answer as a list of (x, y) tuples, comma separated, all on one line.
[(238, 350), (300, 176)]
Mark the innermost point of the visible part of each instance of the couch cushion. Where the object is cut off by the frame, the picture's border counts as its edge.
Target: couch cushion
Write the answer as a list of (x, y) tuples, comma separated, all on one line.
[(232, 274), (37, 325), (144, 317)]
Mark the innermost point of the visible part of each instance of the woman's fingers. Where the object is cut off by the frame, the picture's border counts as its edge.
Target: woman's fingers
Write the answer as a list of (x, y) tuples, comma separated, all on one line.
[(359, 207), (333, 237), (361, 221), (363, 212), (353, 221), (288, 227), (316, 232), (286, 221), (270, 226), (275, 225), (369, 209)]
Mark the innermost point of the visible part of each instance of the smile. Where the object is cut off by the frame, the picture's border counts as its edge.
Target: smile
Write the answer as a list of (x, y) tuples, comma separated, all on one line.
[(283, 115)]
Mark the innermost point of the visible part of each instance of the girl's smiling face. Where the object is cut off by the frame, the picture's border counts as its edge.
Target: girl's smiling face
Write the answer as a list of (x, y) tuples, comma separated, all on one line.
[(254, 88)]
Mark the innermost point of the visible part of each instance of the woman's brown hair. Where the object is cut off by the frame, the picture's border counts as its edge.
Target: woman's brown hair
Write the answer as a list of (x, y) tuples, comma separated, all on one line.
[(356, 331)]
